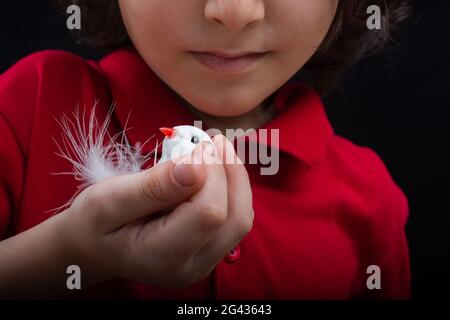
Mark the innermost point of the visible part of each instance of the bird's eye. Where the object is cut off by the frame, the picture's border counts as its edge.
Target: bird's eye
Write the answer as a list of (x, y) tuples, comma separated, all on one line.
[(195, 140)]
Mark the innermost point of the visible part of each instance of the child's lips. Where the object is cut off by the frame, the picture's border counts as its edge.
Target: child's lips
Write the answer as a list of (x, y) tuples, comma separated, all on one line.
[(228, 63)]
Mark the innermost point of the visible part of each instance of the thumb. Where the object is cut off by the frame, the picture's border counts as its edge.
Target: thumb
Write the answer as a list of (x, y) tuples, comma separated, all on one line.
[(122, 200)]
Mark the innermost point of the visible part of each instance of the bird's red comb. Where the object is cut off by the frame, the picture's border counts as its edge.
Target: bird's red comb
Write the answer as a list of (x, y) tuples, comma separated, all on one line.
[(168, 132)]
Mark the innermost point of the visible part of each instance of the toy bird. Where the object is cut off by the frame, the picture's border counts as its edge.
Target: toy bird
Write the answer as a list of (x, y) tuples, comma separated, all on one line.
[(180, 141), (95, 155)]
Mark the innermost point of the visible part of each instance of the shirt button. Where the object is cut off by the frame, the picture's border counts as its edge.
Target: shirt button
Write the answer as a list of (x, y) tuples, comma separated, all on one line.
[(233, 255)]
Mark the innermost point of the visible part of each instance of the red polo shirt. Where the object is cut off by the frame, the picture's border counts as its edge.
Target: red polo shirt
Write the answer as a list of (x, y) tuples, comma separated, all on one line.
[(330, 212)]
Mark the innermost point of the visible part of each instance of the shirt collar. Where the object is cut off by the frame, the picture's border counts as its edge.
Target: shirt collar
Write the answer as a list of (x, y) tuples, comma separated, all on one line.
[(143, 103), (304, 127)]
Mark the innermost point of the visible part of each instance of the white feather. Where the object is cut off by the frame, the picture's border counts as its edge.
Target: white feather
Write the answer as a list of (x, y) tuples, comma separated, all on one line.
[(94, 154)]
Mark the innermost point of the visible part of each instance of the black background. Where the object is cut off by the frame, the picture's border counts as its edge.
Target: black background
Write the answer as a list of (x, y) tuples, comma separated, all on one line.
[(396, 102)]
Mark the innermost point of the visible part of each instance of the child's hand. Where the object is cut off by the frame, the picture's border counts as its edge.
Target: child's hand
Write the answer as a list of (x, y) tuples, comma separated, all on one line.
[(117, 229)]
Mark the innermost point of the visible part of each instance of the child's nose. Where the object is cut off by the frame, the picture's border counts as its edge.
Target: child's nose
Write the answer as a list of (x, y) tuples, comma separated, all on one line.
[(235, 15)]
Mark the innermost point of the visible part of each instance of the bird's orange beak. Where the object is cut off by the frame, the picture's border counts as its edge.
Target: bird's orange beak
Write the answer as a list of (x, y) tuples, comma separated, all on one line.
[(168, 132)]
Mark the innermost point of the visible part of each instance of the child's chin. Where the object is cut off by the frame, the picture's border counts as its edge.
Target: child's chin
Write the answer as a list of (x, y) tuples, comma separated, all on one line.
[(225, 110)]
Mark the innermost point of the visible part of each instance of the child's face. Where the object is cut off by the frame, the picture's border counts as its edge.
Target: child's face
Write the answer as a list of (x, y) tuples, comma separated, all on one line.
[(188, 43)]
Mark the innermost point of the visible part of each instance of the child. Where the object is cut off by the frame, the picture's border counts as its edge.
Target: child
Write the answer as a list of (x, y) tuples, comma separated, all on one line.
[(328, 225)]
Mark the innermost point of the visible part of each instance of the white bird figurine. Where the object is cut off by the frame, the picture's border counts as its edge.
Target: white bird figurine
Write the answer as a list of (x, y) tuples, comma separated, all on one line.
[(181, 141), (95, 155)]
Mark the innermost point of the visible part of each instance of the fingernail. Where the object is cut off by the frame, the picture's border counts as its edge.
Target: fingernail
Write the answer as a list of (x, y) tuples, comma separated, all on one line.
[(209, 153), (209, 147), (184, 173)]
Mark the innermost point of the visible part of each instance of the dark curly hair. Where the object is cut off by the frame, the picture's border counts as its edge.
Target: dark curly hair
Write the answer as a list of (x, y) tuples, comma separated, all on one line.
[(347, 41)]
